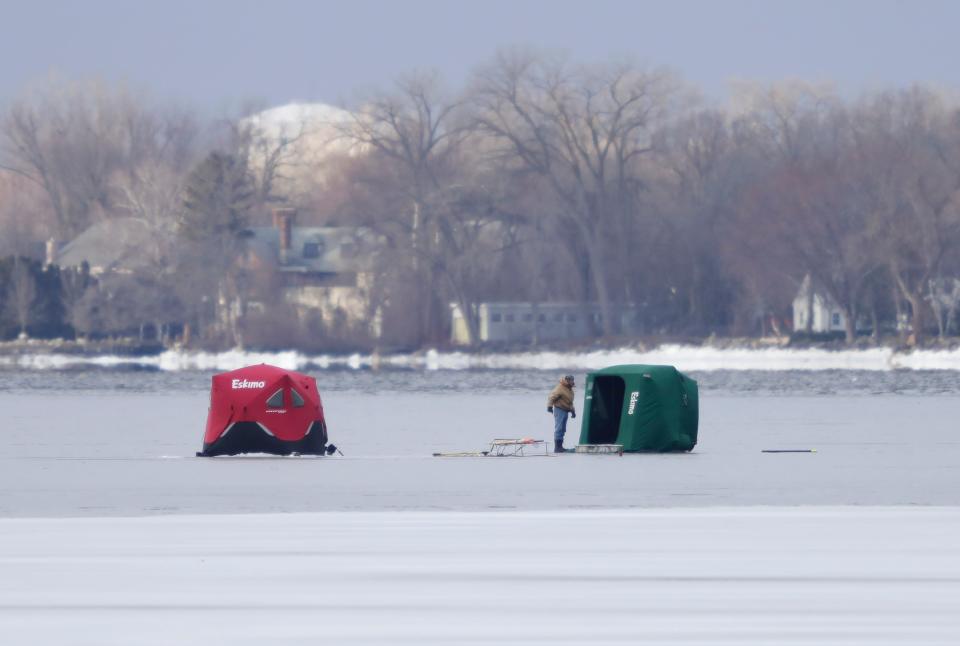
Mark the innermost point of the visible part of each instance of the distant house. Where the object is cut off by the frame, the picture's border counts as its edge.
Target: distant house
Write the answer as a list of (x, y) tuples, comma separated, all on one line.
[(818, 308), (118, 245), (505, 322), (324, 269)]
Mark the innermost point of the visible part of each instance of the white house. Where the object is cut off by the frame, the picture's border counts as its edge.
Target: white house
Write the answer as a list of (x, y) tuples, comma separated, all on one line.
[(505, 322), (817, 307)]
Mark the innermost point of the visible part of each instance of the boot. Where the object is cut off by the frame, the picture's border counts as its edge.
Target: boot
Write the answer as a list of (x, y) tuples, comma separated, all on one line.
[(558, 447)]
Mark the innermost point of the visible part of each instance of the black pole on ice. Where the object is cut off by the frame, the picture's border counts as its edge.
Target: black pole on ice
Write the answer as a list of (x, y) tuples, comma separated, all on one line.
[(788, 450)]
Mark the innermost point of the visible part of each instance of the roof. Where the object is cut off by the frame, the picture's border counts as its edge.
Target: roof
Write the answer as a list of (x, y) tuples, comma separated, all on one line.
[(262, 371), (115, 244), (330, 250), (636, 369), (803, 293)]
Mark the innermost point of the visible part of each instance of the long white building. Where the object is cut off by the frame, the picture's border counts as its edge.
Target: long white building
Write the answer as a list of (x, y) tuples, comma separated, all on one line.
[(524, 322)]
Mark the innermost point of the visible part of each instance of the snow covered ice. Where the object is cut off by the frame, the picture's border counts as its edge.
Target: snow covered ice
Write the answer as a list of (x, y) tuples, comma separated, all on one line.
[(665, 576)]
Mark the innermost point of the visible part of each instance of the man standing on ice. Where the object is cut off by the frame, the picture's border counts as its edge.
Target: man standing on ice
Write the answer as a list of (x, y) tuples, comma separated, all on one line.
[(560, 403)]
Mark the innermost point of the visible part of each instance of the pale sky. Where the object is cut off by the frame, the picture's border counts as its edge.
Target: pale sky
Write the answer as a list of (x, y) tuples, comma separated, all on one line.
[(219, 54)]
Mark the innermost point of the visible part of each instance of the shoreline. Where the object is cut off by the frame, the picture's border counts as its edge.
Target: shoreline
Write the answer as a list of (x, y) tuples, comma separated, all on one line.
[(130, 347), (687, 357)]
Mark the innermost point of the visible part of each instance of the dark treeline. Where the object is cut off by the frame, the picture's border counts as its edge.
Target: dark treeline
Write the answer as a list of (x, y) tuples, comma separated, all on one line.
[(539, 180)]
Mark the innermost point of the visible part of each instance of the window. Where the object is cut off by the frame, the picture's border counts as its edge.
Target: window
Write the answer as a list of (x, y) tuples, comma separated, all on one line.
[(836, 318), (527, 318), (276, 400), (297, 399), (542, 318), (496, 318), (558, 318), (571, 318), (311, 250), (509, 318)]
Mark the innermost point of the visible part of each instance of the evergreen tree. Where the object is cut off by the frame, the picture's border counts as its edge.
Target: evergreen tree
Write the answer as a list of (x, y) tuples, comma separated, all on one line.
[(219, 196), (218, 200)]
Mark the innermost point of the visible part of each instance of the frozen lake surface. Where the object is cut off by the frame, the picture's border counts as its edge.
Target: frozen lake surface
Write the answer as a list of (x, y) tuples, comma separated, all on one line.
[(799, 576), (121, 443)]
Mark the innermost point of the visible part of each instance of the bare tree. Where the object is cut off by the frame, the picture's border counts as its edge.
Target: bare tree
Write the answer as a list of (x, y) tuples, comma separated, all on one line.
[(162, 149), (271, 157), (583, 129), (415, 141), (76, 141), (914, 144), (813, 203), (22, 222), (827, 223), (696, 202), (59, 141), (944, 298)]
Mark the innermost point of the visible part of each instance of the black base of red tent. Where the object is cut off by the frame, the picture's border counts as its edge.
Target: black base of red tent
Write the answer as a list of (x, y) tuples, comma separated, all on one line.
[(249, 437)]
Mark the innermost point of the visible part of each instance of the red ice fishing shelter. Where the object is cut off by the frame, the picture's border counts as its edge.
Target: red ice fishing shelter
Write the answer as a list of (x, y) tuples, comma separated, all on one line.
[(264, 409)]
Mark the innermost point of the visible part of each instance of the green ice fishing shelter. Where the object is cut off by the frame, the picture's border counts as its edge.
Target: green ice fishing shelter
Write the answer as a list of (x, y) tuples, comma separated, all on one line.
[(644, 408)]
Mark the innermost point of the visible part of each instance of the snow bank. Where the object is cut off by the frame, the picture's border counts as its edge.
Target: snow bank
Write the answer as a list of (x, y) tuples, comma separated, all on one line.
[(928, 360), (689, 358), (801, 576), (692, 358)]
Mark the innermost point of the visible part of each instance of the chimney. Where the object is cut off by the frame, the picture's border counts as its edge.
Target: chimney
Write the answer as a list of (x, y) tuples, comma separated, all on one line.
[(51, 255), (283, 222)]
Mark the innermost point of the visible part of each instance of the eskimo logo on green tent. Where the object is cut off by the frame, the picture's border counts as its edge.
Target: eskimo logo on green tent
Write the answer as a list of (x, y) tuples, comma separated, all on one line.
[(634, 396)]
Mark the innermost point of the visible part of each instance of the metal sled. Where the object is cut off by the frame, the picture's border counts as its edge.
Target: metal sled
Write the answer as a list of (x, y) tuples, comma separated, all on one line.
[(516, 447)]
